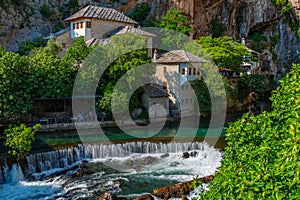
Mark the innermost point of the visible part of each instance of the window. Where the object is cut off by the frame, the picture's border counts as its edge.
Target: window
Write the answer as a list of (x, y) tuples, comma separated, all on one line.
[(186, 101), (190, 71), (165, 85), (183, 71), (63, 45), (194, 71), (165, 69), (77, 25), (88, 24), (74, 26), (81, 24)]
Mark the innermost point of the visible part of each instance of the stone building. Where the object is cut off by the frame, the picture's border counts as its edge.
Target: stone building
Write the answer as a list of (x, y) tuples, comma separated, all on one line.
[(96, 24), (174, 71)]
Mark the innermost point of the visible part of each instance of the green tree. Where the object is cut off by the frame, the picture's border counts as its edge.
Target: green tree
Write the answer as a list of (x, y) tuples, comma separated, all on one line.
[(140, 12), (77, 52), (176, 22), (251, 83), (52, 47), (25, 47), (15, 87), (116, 71), (262, 157), (2, 50), (20, 139), (112, 61), (216, 28), (224, 51), (50, 77), (46, 11)]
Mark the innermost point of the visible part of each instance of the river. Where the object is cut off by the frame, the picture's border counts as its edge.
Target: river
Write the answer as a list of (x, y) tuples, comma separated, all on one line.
[(127, 166)]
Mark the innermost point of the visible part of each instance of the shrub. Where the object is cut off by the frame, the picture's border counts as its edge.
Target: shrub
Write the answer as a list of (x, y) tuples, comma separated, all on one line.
[(251, 83), (216, 28), (46, 11), (20, 139), (26, 46), (140, 13), (262, 157)]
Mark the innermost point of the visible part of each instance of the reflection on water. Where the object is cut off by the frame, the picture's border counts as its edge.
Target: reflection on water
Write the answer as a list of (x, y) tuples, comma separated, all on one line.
[(115, 134)]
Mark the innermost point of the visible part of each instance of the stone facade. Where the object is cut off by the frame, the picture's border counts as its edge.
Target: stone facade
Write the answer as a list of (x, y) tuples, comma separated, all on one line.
[(64, 40), (171, 77), (101, 27)]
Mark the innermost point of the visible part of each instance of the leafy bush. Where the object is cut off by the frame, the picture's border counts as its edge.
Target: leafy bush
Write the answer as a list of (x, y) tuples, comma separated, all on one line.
[(46, 11), (253, 83), (256, 37), (176, 20), (258, 42), (283, 4), (20, 139), (224, 51), (73, 4), (140, 13), (273, 40), (262, 157), (25, 47), (216, 28)]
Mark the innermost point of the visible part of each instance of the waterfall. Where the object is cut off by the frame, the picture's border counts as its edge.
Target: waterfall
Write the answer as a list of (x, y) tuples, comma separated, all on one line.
[(12, 176), (64, 158)]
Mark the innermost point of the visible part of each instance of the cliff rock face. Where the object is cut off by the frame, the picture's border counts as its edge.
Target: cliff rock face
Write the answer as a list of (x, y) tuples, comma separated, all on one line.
[(24, 21), (239, 17)]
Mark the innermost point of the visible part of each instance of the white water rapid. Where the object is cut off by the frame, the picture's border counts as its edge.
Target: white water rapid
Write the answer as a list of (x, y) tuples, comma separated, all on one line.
[(59, 174)]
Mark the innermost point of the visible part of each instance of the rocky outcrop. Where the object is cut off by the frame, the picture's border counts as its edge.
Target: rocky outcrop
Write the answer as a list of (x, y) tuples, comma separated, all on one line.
[(145, 197), (108, 196), (178, 190), (23, 21), (240, 18)]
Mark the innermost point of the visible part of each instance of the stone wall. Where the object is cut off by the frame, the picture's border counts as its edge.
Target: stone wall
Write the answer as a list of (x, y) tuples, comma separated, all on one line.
[(101, 27)]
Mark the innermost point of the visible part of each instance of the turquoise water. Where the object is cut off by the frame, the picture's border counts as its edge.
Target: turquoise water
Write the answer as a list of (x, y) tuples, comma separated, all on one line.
[(168, 132), (154, 162)]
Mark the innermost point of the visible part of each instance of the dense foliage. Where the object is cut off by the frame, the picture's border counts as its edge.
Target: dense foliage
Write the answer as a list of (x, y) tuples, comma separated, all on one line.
[(15, 86), (140, 13), (116, 71), (20, 139), (178, 27), (224, 51), (251, 83), (25, 47), (262, 157), (46, 11), (212, 89), (41, 74), (130, 53), (176, 20), (77, 52), (216, 28), (290, 16)]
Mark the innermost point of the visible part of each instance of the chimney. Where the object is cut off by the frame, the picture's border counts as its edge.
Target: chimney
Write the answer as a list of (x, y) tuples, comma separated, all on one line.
[(155, 55), (243, 41)]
